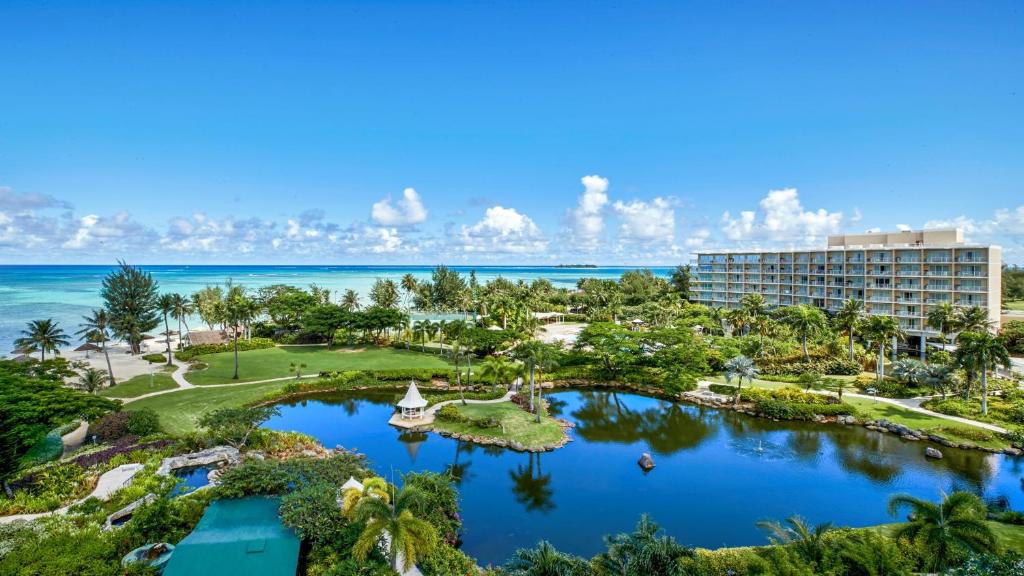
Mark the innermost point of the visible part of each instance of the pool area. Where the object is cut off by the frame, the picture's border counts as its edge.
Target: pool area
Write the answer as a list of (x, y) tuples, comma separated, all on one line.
[(717, 472)]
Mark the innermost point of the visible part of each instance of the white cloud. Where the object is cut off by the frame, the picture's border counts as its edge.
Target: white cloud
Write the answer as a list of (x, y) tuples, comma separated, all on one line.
[(502, 230), (588, 216), (405, 212), (653, 221), (1006, 224), (903, 227), (116, 233), (781, 218)]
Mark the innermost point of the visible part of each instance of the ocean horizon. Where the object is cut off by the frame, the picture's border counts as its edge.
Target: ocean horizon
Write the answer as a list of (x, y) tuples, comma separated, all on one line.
[(66, 292)]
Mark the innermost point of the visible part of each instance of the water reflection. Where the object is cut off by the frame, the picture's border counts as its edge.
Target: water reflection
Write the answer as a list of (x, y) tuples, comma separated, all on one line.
[(717, 472)]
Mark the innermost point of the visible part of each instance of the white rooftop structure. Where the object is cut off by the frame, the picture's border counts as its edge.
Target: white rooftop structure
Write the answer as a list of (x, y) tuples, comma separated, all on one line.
[(413, 404), (350, 484)]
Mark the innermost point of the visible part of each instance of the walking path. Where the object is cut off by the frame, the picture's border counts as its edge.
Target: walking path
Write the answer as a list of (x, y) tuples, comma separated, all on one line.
[(912, 404), (74, 439), (428, 414), (179, 378), (110, 482)]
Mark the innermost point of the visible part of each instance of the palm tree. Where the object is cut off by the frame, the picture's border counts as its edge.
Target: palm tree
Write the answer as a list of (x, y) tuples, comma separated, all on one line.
[(972, 319), (494, 368), (422, 328), (740, 367), (375, 487), (440, 328), (643, 552), (805, 321), (544, 560), (92, 379), (409, 286), (182, 310), (807, 541), (941, 318), (166, 305), (536, 355), (849, 319), (350, 300), (946, 530), (44, 336), (396, 527), (981, 350), (238, 311), (881, 329), (95, 328), (546, 360)]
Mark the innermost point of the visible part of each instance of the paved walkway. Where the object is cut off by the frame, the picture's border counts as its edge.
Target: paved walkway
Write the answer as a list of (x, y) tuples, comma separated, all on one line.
[(179, 378), (74, 439), (912, 404), (428, 415), (110, 482)]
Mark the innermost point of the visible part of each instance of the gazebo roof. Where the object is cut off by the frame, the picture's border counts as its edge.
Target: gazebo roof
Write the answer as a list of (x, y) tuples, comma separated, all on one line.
[(352, 483), (88, 346), (412, 398)]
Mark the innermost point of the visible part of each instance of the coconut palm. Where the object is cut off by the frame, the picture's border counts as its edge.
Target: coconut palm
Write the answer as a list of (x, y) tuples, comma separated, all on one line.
[(849, 319), (945, 530), (421, 328), (95, 328), (494, 368), (972, 319), (182, 310), (740, 367), (166, 305), (409, 286), (536, 356), (881, 329), (643, 552), (239, 310), (981, 351), (350, 300), (92, 379), (44, 336), (942, 317), (544, 560), (375, 487), (806, 322), (808, 541), (394, 526), (440, 328)]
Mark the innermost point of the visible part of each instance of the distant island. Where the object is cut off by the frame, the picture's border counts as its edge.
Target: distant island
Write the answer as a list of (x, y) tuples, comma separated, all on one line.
[(575, 265)]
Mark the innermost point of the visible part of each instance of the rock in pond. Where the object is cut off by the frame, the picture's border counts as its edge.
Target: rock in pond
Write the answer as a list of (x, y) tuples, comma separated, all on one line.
[(645, 462), (932, 453)]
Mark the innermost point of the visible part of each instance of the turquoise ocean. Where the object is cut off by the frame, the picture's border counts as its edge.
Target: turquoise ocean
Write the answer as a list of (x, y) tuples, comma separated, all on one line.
[(66, 293)]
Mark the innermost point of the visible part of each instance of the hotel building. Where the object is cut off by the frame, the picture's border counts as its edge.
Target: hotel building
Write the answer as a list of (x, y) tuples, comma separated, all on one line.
[(900, 274)]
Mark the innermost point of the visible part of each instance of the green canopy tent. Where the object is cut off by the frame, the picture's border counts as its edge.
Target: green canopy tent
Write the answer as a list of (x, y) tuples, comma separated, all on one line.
[(241, 537)]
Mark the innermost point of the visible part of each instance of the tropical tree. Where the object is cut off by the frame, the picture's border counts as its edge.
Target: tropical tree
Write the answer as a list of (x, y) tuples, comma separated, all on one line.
[(373, 487), (643, 552), (545, 560), (409, 287), (537, 356), (881, 329), (945, 531), (166, 305), (681, 279), (44, 336), (849, 319), (92, 379), (938, 377), (384, 293), (422, 328), (806, 322), (350, 300), (981, 351), (238, 311), (94, 328), (181, 311), (740, 367), (207, 302), (495, 369), (972, 319), (394, 525), (807, 541), (912, 372), (942, 317), (131, 300)]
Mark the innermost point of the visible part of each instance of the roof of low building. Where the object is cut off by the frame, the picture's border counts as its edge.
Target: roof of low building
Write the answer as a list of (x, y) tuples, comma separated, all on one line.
[(243, 537), (207, 337), (412, 399)]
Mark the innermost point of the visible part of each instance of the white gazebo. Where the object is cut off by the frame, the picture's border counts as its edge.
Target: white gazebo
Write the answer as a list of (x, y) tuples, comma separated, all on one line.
[(413, 404)]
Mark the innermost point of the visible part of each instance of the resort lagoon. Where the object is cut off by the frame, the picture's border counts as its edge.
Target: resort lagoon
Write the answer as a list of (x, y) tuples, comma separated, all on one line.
[(717, 472)]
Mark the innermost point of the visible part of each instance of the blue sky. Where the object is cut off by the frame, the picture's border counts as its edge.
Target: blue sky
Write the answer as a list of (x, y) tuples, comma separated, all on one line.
[(288, 132)]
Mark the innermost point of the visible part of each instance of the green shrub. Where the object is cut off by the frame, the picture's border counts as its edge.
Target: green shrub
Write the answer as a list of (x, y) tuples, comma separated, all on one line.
[(723, 389), (243, 345), (110, 427), (143, 422), (47, 449), (445, 560), (155, 358), (450, 413)]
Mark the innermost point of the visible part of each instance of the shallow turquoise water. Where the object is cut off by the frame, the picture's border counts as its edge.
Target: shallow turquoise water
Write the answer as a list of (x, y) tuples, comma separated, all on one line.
[(66, 293), (717, 472)]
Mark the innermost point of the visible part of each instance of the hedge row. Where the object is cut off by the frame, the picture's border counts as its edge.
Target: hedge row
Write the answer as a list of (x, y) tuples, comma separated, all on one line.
[(830, 366), (243, 345), (783, 410)]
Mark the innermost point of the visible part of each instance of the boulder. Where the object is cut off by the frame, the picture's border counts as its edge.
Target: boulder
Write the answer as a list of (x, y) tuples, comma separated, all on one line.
[(932, 453), (224, 455), (645, 462)]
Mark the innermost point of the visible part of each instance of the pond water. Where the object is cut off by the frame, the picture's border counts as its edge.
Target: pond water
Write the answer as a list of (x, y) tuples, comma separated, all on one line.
[(192, 478), (717, 472)]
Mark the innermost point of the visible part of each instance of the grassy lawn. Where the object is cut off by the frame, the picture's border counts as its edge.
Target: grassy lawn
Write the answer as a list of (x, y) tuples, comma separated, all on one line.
[(274, 362), (140, 385), (1017, 305), (516, 424), (877, 410), (179, 410), (1009, 536)]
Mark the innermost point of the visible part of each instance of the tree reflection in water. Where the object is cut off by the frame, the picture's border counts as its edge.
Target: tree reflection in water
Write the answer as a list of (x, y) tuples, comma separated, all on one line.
[(531, 487), (459, 471), (666, 428)]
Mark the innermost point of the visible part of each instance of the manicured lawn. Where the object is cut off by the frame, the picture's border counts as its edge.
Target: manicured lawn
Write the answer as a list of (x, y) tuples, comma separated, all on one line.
[(1009, 536), (875, 410), (1014, 305), (274, 362), (516, 424), (140, 385), (179, 410)]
